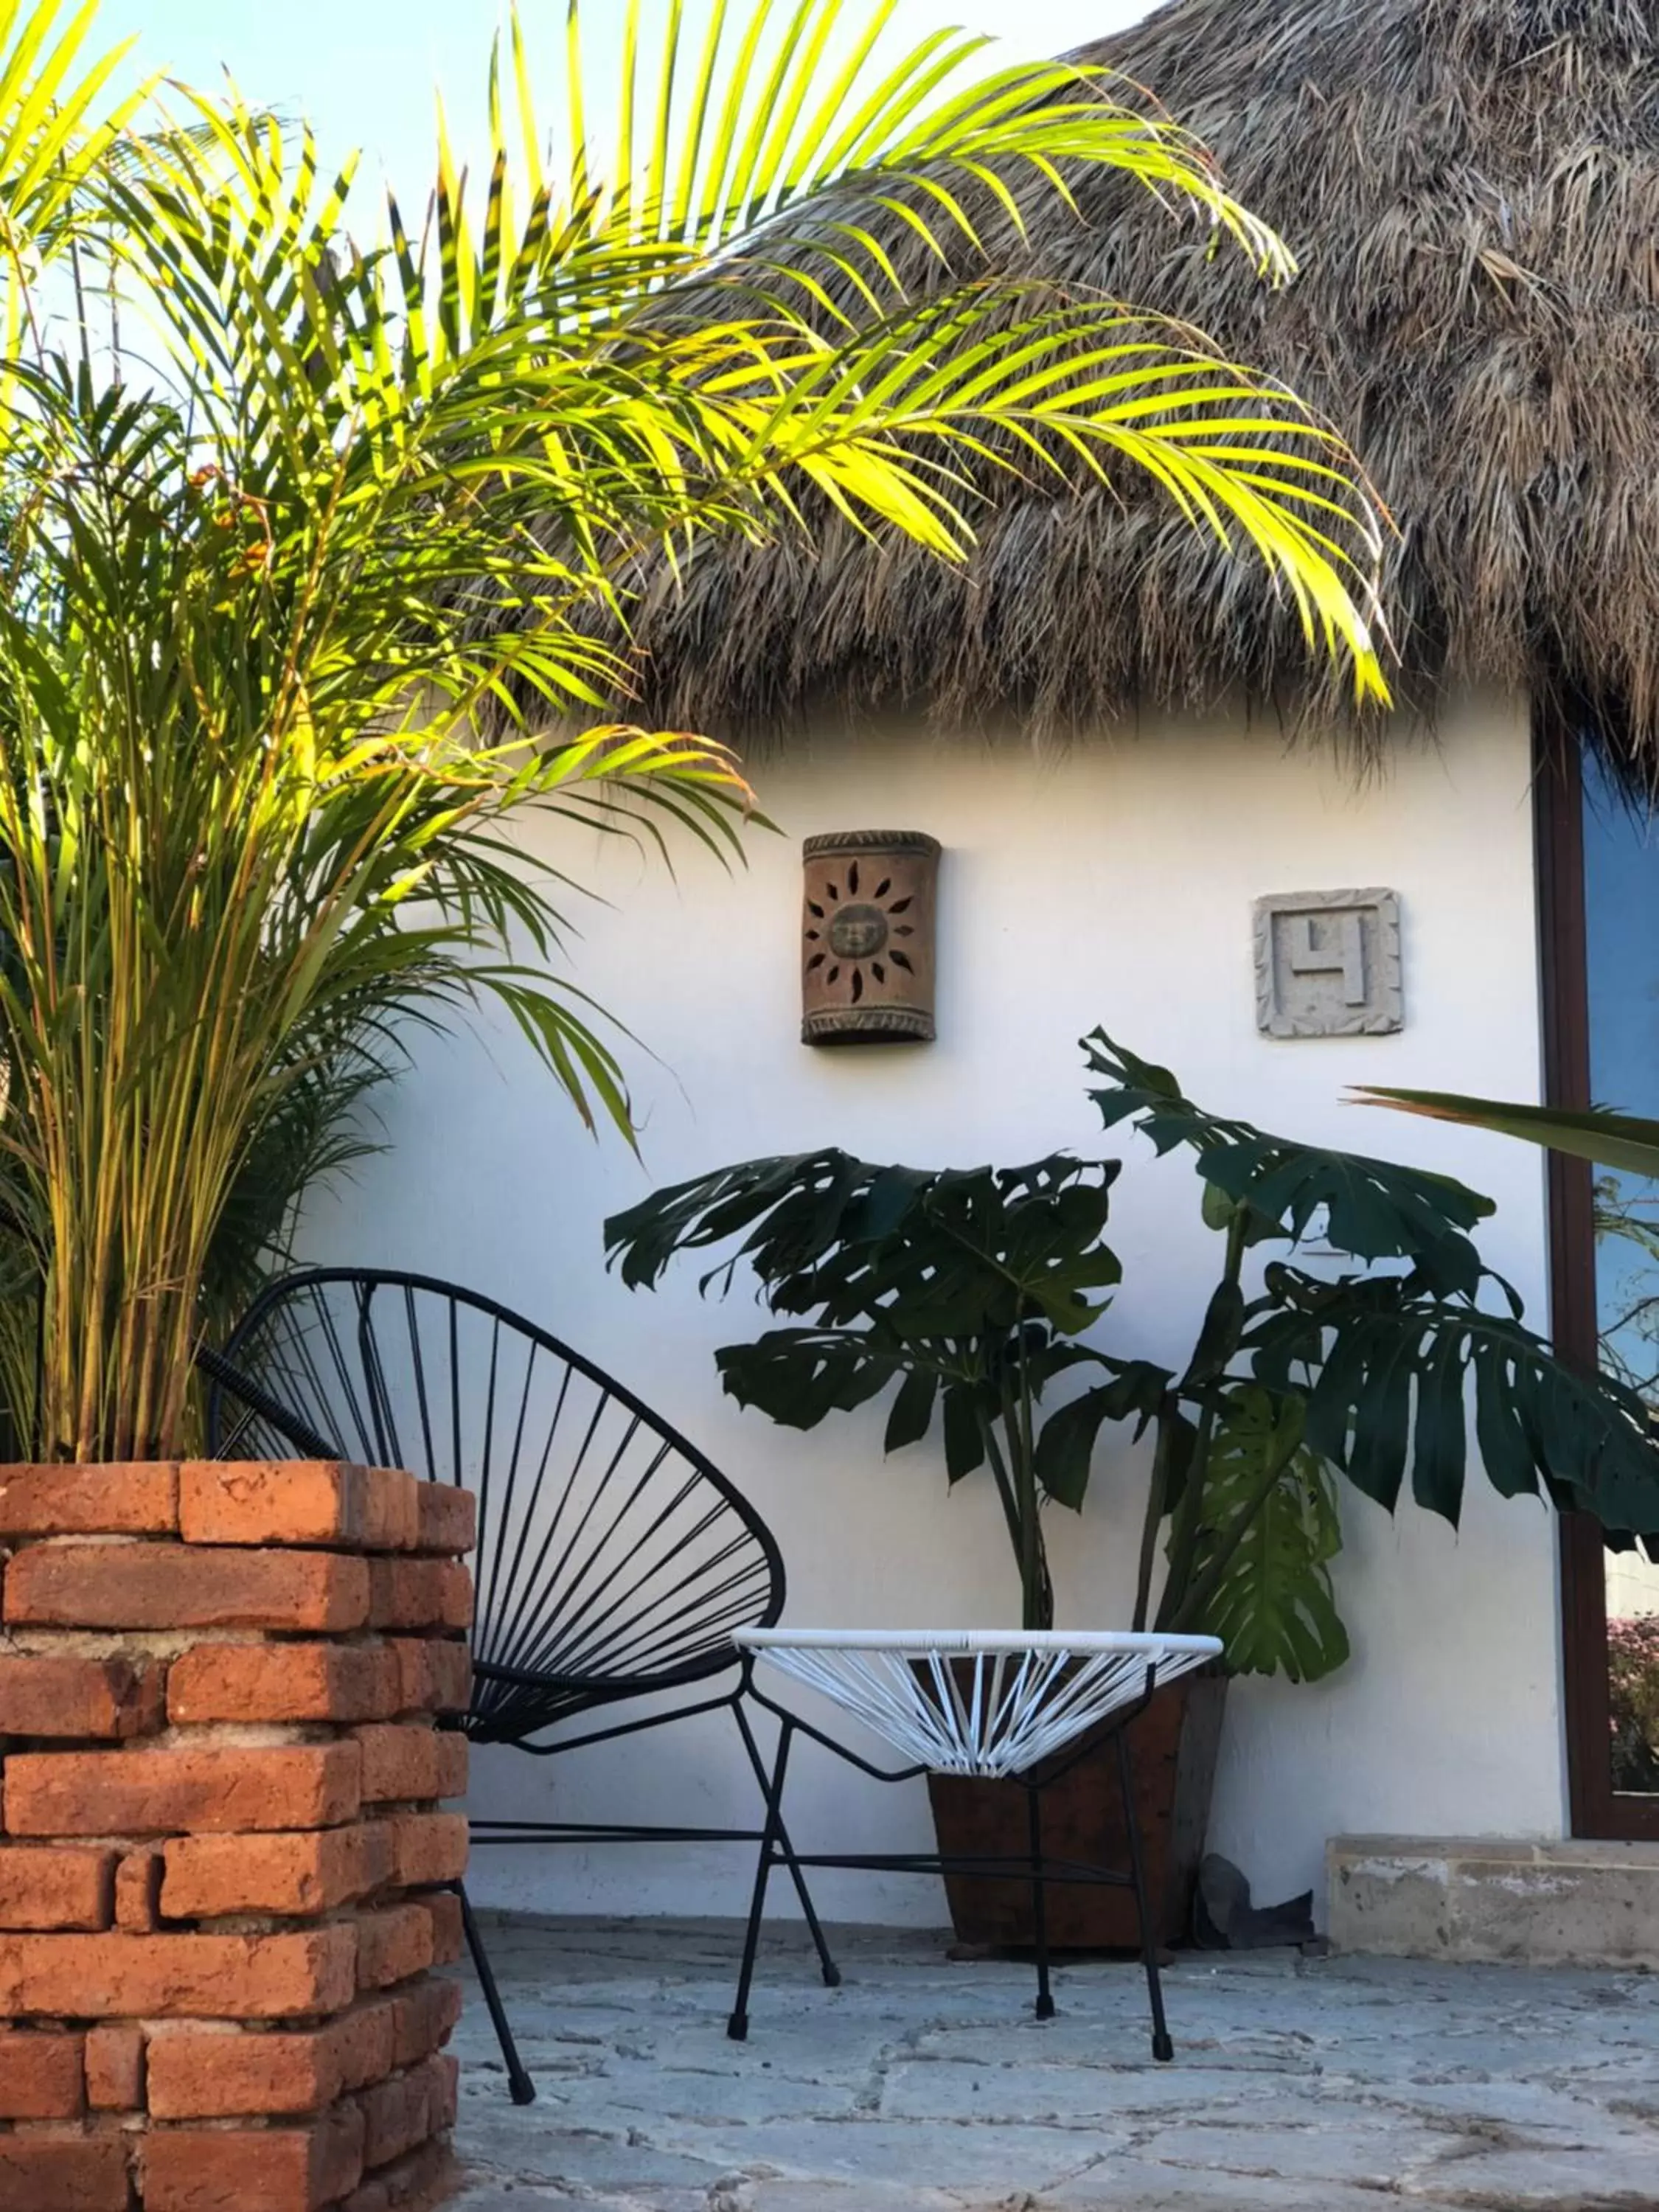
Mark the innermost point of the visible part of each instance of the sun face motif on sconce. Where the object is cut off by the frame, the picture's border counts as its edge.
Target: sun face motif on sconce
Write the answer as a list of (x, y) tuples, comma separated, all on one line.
[(867, 936)]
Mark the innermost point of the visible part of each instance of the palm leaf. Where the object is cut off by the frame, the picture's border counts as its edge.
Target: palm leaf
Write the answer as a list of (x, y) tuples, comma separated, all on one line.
[(729, 396), (1624, 1142)]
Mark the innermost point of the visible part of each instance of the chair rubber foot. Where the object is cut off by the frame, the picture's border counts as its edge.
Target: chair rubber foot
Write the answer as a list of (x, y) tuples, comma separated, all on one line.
[(832, 1977), (523, 2089), (1162, 2049), (736, 2028), (1045, 2008)]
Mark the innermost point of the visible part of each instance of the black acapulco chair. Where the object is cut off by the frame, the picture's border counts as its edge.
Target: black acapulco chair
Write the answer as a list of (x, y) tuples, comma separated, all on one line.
[(613, 1560)]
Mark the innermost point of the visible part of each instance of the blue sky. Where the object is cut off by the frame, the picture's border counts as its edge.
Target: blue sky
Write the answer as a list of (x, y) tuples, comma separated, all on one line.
[(364, 70)]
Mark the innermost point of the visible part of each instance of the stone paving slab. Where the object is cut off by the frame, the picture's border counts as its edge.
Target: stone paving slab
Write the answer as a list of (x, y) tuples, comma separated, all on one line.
[(924, 2085)]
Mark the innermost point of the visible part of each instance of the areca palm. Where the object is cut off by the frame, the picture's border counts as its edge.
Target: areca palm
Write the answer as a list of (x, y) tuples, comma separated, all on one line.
[(317, 585)]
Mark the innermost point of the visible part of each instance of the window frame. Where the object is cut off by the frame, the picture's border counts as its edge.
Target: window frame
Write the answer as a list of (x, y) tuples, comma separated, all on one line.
[(1598, 1811)]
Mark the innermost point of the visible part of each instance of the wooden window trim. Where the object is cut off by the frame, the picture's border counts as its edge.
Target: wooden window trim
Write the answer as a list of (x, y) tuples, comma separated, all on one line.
[(1596, 1810)]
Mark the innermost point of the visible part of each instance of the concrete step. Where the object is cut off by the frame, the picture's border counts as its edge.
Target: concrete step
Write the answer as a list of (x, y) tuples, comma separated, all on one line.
[(1486, 1898)]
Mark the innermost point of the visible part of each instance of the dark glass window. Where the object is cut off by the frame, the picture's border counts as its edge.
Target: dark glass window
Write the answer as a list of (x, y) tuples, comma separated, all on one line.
[(1621, 947)]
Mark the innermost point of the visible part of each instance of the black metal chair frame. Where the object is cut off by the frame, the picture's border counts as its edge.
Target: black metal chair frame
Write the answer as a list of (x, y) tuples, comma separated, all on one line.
[(1033, 1865), (240, 1401)]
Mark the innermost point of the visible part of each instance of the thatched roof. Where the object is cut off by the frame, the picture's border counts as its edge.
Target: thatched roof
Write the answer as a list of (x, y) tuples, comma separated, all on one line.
[(1472, 187)]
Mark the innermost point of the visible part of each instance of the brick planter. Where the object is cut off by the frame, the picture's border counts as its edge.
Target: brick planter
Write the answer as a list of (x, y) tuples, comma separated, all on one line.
[(223, 1851)]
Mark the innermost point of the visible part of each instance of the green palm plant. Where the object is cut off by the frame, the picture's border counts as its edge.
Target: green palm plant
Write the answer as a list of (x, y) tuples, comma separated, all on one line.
[(318, 547)]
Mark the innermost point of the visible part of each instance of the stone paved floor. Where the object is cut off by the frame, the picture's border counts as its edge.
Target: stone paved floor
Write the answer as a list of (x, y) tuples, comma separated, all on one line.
[(924, 2086)]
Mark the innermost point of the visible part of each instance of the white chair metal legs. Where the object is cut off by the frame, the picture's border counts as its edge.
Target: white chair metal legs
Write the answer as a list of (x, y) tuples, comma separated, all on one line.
[(1005, 1707)]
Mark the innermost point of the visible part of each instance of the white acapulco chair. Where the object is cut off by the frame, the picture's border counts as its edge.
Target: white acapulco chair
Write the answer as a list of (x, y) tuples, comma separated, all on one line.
[(1008, 1706)]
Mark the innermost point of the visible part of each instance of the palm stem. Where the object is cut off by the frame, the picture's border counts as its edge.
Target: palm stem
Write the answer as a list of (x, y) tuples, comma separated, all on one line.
[(1157, 1493), (1189, 1509), (1036, 1592)]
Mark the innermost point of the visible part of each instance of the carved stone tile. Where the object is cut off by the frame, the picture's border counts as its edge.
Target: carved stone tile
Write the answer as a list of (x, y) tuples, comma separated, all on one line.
[(1327, 964)]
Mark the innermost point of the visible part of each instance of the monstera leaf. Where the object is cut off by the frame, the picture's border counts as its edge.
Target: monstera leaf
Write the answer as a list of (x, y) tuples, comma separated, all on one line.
[(967, 1288), (946, 1253), (1373, 1209), (799, 1376), (799, 1200), (1262, 1574), (1138, 1392), (1387, 1368)]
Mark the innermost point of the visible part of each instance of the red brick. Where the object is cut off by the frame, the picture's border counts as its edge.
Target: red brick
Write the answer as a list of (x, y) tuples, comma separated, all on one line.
[(454, 1758), (199, 1789), (339, 1682), (292, 2169), (420, 2183), (172, 1586), (445, 2077), (41, 1888), (137, 1498), (392, 1944), (400, 2114), (448, 1518), (367, 2041), (41, 2076), (448, 1935), (115, 2068), (419, 1594), (428, 1848), (422, 2018), (118, 1976), (312, 1871), (404, 1763), (397, 2116), (138, 1892), (108, 1697), (63, 2173), (297, 1502), (205, 2073), (435, 1675)]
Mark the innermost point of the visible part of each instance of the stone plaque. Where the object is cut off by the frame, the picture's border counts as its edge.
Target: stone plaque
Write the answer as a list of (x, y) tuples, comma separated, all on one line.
[(1327, 964)]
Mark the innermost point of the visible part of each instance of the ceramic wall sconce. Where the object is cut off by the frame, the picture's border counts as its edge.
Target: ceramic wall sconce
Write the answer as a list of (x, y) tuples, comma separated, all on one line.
[(867, 936)]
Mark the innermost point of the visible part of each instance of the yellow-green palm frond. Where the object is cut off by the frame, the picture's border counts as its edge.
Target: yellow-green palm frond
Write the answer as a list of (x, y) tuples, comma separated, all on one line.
[(318, 571), (693, 334)]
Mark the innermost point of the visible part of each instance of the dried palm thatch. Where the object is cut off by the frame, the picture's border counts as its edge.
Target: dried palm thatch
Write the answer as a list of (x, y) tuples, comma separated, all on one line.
[(1472, 188)]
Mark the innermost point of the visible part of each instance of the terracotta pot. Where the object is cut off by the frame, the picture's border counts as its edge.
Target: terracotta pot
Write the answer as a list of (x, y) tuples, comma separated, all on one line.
[(1173, 1747)]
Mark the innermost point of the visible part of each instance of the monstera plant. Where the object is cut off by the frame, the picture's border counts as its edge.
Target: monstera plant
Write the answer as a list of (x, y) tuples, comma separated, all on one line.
[(1370, 1361), (967, 1294)]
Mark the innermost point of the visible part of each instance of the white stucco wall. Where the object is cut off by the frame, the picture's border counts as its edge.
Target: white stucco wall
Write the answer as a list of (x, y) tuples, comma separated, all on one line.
[(1113, 884)]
